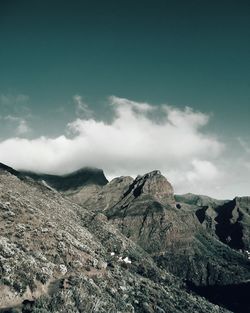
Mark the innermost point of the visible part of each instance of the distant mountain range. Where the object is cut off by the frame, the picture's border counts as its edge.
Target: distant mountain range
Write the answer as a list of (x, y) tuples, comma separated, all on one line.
[(78, 243)]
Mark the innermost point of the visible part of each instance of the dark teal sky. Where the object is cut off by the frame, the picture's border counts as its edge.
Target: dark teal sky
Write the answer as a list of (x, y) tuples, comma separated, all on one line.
[(194, 53), (182, 53)]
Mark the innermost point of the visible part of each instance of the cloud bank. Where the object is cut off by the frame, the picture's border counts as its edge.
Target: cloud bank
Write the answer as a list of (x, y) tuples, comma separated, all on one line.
[(140, 138)]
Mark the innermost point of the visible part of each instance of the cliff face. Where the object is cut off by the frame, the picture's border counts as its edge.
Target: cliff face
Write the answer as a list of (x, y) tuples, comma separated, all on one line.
[(233, 223), (56, 256), (109, 194), (142, 212), (152, 184), (228, 220)]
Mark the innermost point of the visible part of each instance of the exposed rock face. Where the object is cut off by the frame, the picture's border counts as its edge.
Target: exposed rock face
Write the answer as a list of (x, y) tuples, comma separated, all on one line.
[(204, 208), (55, 256), (106, 196), (153, 185), (140, 212), (113, 192), (233, 223), (120, 189), (175, 234), (228, 220), (84, 195)]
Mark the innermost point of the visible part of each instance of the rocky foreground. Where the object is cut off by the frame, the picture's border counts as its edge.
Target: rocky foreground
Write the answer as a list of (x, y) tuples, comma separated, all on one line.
[(82, 244)]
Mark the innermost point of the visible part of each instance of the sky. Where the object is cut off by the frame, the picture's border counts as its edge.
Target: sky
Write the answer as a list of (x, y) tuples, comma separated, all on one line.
[(128, 86)]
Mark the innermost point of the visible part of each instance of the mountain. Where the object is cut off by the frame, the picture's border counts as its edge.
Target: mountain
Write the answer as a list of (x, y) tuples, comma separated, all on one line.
[(128, 245), (70, 182), (148, 214), (56, 256), (198, 200), (181, 233)]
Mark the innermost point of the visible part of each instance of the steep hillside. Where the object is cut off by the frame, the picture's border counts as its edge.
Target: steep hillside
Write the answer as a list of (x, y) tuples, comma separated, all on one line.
[(100, 198), (55, 256), (173, 235)]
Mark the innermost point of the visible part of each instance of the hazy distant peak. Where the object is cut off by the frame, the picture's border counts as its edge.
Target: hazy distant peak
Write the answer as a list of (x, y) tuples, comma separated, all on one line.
[(72, 181), (9, 169)]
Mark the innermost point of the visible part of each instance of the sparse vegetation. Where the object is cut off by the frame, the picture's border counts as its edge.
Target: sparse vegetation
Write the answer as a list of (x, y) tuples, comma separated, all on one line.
[(67, 258)]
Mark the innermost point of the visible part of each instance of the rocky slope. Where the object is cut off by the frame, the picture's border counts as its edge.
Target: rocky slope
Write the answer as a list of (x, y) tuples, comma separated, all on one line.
[(183, 234), (173, 235), (56, 256)]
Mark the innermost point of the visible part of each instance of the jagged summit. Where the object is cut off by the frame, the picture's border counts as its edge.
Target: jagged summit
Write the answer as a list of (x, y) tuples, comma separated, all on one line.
[(122, 191), (150, 174), (153, 184)]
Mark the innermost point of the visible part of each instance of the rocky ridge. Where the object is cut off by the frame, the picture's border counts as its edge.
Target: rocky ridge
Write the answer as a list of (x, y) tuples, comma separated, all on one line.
[(56, 256), (187, 235)]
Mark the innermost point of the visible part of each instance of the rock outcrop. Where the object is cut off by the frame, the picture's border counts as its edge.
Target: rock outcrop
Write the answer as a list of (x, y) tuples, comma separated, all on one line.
[(104, 197), (140, 213), (233, 223)]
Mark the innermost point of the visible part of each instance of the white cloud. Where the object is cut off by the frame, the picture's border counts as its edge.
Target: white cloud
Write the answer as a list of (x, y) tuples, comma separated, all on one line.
[(200, 176), (131, 105), (133, 143), (202, 170), (82, 109)]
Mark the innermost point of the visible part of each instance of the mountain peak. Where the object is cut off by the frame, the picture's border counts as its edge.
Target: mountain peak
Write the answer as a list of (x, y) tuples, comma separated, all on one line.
[(152, 173), (153, 184)]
